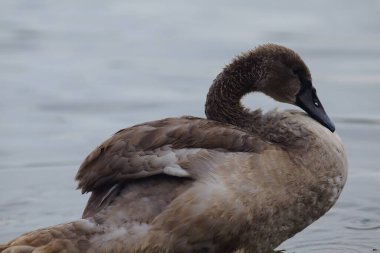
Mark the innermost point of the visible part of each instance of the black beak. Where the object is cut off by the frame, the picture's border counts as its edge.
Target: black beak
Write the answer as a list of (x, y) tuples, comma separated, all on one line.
[(307, 99)]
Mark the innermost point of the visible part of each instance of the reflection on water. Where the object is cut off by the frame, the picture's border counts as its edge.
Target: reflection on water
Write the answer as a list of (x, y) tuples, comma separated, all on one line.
[(74, 72)]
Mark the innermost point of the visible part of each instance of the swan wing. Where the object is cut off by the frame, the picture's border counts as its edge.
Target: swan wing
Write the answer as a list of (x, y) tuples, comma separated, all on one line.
[(161, 147)]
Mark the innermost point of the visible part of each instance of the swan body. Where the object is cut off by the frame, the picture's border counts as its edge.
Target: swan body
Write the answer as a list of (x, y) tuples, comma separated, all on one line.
[(239, 180)]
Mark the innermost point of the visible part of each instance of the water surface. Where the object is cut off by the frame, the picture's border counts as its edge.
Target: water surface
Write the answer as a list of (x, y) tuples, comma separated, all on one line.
[(74, 72)]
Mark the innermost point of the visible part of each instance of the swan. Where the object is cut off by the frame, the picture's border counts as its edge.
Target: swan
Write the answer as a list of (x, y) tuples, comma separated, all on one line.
[(239, 181)]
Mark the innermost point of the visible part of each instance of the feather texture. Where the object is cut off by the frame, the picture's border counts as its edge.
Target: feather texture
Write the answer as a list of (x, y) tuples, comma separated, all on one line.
[(238, 181)]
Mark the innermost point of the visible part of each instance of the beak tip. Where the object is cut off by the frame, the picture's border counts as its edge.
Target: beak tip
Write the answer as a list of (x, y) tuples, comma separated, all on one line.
[(330, 126)]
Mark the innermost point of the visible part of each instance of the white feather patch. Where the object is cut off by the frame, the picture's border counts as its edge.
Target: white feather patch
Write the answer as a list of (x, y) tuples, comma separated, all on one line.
[(176, 170)]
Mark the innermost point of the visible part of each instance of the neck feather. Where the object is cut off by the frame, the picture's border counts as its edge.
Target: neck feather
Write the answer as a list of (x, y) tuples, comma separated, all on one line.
[(223, 102)]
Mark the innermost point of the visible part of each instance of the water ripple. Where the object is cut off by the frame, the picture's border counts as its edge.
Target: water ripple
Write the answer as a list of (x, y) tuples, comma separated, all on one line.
[(333, 247), (51, 164), (364, 224), (349, 120)]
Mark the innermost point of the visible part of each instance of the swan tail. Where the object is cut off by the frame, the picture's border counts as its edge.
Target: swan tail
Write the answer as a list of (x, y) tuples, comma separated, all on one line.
[(73, 237)]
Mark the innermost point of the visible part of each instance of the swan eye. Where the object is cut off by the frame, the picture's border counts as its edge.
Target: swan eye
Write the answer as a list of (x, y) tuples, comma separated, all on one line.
[(315, 98)]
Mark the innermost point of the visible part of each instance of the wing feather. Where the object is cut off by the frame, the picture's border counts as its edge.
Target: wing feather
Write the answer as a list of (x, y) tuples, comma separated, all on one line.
[(160, 147)]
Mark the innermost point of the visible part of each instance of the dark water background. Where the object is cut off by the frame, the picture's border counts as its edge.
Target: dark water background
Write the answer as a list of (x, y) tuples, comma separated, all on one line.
[(74, 72)]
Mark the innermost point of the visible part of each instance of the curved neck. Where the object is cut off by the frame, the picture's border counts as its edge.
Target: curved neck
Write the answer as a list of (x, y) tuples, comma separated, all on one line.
[(223, 99)]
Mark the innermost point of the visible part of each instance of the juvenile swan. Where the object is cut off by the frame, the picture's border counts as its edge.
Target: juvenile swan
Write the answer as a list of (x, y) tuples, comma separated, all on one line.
[(238, 180)]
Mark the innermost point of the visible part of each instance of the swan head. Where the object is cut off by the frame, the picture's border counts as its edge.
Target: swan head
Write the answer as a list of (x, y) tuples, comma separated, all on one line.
[(280, 73)]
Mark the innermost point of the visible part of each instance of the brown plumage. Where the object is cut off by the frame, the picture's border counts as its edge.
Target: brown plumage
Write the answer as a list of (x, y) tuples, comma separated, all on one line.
[(239, 180)]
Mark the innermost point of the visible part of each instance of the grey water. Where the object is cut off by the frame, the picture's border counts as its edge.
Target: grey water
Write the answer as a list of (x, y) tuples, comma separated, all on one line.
[(74, 72)]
